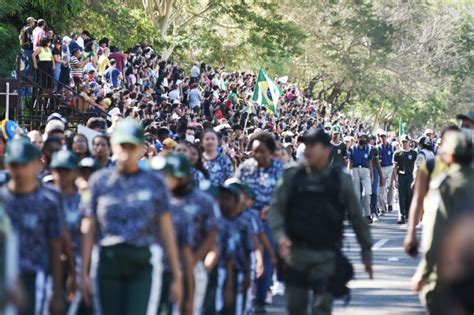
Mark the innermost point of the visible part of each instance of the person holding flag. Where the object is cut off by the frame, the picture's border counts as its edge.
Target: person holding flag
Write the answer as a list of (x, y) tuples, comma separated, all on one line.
[(267, 93)]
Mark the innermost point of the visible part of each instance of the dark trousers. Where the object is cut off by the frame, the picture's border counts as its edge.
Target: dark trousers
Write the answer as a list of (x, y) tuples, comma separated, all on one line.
[(404, 192), (265, 281), (129, 279), (373, 197)]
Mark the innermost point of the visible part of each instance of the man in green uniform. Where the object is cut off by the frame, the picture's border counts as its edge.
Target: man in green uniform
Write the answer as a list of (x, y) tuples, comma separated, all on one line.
[(403, 175), (449, 195), (306, 217)]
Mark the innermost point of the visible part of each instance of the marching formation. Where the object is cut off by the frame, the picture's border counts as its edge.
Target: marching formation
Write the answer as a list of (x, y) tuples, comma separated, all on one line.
[(194, 194)]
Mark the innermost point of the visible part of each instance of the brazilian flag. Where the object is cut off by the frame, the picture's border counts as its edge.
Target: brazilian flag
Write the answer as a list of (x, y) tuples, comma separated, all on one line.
[(266, 92)]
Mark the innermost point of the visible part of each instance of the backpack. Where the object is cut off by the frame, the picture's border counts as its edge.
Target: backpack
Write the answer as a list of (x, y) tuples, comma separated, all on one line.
[(25, 41)]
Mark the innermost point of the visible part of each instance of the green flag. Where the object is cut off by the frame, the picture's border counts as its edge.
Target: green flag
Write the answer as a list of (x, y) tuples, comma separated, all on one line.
[(401, 130), (266, 92)]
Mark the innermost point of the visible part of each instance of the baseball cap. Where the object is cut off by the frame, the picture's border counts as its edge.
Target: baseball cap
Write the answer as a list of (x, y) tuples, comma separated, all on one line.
[(381, 133), (21, 150), (229, 188), (169, 144), (89, 162), (177, 165), (469, 115), (64, 159), (241, 186), (128, 131), (164, 96), (424, 141), (336, 129), (31, 19), (405, 138), (318, 135), (429, 131)]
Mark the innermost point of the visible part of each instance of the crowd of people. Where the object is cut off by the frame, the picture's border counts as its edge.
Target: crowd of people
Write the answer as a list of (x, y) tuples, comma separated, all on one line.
[(177, 205)]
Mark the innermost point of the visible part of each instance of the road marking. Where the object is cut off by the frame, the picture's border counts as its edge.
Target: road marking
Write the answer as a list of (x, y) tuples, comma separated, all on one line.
[(393, 259), (379, 244)]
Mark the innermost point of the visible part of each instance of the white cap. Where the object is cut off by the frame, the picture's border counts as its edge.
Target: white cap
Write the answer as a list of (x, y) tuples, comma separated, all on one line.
[(164, 96), (428, 130), (381, 132), (348, 138)]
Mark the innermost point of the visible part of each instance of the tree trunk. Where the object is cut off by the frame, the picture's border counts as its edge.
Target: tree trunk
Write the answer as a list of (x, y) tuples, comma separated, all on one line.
[(309, 90)]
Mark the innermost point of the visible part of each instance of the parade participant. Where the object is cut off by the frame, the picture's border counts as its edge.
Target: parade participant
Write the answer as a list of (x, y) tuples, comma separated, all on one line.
[(403, 177), (339, 150), (424, 153), (177, 170), (248, 227), (386, 151), (64, 168), (306, 217), (202, 212), (362, 172), (429, 169), (232, 256), (262, 173), (126, 218), (217, 164), (449, 195), (378, 180), (36, 214)]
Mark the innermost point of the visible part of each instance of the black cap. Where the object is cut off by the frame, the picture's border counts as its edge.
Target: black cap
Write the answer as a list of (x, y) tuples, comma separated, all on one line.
[(318, 135)]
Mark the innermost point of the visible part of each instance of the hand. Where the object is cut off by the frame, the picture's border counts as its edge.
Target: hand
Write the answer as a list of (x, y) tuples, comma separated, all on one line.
[(284, 247), (411, 245), (259, 269), (71, 286), (381, 181), (35, 66), (176, 291), (87, 290), (368, 269), (417, 283), (371, 178), (56, 306), (228, 295)]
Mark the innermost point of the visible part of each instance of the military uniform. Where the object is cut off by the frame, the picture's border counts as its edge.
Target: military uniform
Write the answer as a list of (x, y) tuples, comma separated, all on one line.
[(317, 264)]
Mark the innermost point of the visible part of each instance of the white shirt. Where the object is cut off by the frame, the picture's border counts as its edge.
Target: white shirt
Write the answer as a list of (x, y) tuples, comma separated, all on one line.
[(300, 152)]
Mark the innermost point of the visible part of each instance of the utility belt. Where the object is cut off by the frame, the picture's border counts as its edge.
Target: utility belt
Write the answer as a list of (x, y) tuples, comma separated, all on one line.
[(359, 166)]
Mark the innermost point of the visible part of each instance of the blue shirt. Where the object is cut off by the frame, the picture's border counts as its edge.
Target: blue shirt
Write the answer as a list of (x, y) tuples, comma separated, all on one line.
[(202, 212), (219, 169), (112, 76), (230, 243), (73, 218), (360, 157), (262, 181), (386, 154), (127, 207), (36, 217)]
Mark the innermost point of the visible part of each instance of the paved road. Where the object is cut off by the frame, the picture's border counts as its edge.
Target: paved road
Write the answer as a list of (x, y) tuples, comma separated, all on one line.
[(388, 293)]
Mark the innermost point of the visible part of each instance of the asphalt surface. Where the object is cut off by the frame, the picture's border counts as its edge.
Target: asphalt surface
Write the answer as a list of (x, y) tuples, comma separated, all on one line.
[(389, 292)]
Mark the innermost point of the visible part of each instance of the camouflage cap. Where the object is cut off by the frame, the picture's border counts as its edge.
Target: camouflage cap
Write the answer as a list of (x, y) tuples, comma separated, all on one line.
[(128, 131), (177, 165), (21, 150), (65, 159)]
